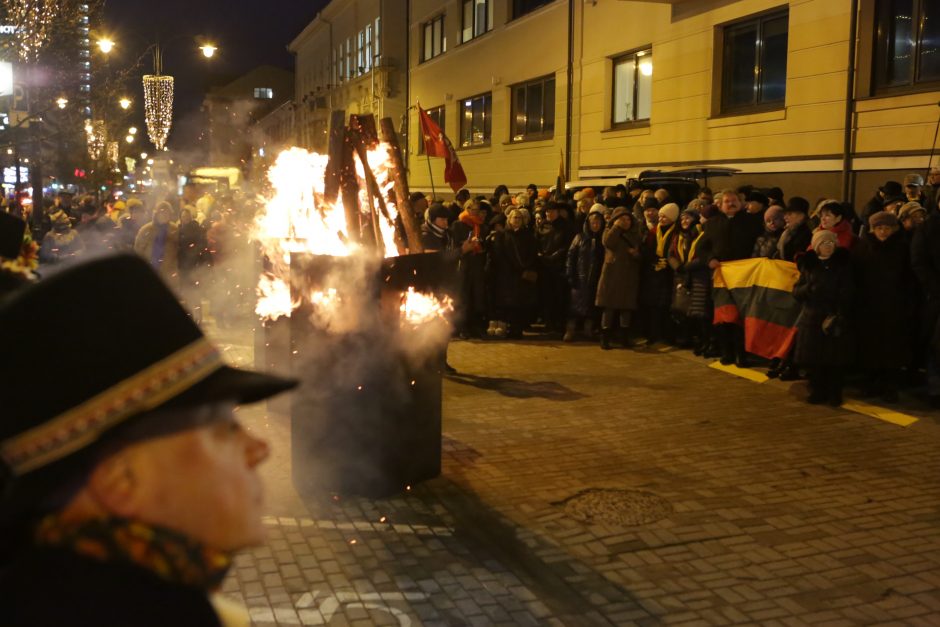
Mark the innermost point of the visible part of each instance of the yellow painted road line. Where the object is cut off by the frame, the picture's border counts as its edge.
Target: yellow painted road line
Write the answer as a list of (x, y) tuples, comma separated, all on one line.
[(744, 373), (894, 417)]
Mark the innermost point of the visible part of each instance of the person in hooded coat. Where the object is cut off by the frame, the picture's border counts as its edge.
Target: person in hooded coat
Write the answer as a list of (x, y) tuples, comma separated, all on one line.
[(824, 341), (515, 272), (585, 260), (158, 243), (619, 283), (884, 309)]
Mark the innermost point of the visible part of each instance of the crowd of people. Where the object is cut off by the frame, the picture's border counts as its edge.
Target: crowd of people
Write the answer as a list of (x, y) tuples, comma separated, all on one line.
[(628, 266), (624, 266), (192, 240)]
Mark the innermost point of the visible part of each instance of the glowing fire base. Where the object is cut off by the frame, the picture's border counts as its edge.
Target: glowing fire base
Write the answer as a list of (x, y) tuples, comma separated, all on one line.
[(366, 419)]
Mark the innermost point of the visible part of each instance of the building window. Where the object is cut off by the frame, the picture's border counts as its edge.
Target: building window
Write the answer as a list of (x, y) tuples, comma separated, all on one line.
[(633, 87), (435, 42), (907, 49), (754, 62), (533, 109), (436, 114), (521, 7), (475, 120), (477, 18), (361, 53), (350, 72), (264, 93), (368, 47)]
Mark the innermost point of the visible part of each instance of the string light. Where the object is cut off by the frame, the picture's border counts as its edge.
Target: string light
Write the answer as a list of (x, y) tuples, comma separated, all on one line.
[(32, 22), (114, 154), (158, 107), (97, 136)]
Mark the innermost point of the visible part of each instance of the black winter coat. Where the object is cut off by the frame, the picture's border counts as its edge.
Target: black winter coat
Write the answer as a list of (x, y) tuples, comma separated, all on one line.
[(50, 588), (585, 261), (554, 239), (472, 269), (766, 245), (513, 253), (733, 238), (194, 246), (795, 241), (885, 307), (826, 288)]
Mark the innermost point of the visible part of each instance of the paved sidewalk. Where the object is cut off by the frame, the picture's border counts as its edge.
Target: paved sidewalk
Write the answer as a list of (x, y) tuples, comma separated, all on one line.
[(583, 487)]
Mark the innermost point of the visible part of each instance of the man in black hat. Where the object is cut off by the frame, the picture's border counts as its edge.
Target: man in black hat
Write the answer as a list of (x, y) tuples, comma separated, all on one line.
[(14, 270), (127, 489), (891, 189)]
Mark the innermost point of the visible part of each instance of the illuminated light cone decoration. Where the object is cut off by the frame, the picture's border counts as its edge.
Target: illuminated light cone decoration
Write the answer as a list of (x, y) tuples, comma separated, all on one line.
[(97, 136), (114, 154), (158, 107), (32, 21)]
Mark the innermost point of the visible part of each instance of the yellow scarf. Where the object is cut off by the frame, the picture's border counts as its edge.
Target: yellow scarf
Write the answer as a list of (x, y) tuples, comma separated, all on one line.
[(661, 239), (680, 249)]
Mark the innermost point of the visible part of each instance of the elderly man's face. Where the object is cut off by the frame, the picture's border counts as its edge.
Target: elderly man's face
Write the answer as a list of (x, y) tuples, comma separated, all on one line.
[(730, 204), (201, 482)]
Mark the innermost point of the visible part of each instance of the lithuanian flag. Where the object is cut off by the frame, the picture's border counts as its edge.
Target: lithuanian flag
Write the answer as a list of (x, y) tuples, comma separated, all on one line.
[(759, 292)]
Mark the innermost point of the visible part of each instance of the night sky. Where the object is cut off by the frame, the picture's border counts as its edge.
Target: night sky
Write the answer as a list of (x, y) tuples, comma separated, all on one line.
[(248, 32)]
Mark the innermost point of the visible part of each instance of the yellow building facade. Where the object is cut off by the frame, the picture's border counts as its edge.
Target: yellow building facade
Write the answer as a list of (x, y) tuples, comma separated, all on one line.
[(816, 96)]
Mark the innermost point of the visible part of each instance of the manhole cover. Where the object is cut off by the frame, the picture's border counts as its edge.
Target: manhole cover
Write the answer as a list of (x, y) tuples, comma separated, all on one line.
[(625, 508)]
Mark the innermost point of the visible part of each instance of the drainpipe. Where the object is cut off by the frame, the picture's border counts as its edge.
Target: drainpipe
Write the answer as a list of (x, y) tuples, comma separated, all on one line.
[(406, 65), (569, 96), (847, 191)]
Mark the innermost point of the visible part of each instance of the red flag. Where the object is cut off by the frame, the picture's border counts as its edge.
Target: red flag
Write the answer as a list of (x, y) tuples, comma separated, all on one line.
[(436, 144)]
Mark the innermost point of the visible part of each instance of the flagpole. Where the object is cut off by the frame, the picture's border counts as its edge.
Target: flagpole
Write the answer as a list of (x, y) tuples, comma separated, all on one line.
[(431, 176)]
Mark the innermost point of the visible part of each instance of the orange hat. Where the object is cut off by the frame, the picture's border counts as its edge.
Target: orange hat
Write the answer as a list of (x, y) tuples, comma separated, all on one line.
[(543, 193)]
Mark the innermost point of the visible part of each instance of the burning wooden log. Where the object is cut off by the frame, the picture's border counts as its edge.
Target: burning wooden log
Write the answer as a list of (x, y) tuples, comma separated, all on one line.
[(400, 178)]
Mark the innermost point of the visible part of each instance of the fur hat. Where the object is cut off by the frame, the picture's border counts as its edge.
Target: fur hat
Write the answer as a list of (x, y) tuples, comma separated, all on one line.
[(670, 210), (822, 236), (883, 218), (651, 203), (909, 209), (756, 196), (621, 211), (797, 204), (597, 208)]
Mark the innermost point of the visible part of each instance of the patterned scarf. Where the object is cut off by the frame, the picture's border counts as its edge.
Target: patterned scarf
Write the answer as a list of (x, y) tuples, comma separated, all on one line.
[(165, 553)]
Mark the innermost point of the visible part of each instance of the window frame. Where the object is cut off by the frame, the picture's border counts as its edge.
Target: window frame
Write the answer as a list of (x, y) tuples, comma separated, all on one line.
[(722, 84), (635, 55), (513, 15), (542, 134), (430, 24), (473, 26), (879, 85), (439, 111), (487, 122)]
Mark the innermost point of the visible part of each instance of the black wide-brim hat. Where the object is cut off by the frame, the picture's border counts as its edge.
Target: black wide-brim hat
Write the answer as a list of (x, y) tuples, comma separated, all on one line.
[(96, 347), (12, 229)]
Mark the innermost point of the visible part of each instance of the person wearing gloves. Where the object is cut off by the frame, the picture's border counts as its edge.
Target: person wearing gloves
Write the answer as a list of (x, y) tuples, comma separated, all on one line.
[(826, 288)]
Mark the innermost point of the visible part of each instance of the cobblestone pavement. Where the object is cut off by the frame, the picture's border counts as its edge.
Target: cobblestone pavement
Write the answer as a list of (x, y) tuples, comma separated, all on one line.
[(583, 487)]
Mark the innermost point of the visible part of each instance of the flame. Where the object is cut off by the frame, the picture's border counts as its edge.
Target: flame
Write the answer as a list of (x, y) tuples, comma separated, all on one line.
[(418, 308), (295, 218)]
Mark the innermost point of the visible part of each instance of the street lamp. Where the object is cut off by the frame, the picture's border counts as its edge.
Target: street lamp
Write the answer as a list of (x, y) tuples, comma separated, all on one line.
[(129, 139), (105, 45), (125, 103), (208, 50), (132, 130), (62, 102)]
